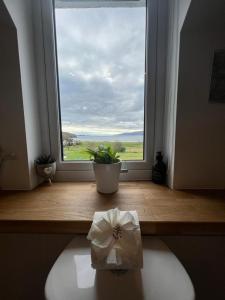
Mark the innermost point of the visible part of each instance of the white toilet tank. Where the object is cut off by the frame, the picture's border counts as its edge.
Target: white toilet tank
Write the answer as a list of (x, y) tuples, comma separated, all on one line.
[(162, 278)]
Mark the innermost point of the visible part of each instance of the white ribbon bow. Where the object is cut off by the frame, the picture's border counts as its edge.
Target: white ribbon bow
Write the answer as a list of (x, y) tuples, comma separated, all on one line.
[(114, 237)]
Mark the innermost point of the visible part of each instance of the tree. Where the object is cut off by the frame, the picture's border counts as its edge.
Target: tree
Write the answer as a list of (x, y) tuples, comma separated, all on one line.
[(68, 142), (68, 139), (118, 147)]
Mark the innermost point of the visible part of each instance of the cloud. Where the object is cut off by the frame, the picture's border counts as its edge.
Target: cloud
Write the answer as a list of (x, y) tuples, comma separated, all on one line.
[(101, 59)]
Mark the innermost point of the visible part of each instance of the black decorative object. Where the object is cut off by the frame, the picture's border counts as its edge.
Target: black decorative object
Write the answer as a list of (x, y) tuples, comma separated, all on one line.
[(159, 170), (217, 89)]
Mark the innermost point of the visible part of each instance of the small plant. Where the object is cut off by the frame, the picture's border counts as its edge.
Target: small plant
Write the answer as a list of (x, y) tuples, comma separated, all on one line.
[(103, 155), (44, 160)]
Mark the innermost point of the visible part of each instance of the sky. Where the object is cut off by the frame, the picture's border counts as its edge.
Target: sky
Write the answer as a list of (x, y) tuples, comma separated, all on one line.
[(101, 64)]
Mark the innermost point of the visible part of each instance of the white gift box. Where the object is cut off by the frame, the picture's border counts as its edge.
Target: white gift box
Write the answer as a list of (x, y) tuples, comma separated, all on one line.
[(116, 240)]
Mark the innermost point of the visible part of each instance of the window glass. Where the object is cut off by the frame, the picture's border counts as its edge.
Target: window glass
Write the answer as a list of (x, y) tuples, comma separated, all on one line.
[(101, 75)]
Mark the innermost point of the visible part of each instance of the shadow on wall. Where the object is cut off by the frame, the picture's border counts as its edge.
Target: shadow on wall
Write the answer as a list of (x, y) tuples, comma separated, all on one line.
[(204, 260), (25, 262)]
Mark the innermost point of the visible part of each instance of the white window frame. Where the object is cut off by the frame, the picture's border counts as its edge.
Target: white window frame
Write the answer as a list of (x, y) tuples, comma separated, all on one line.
[(82, 170)]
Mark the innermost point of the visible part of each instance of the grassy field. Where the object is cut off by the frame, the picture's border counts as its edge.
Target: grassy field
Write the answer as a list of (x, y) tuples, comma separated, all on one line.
[(133, 150)]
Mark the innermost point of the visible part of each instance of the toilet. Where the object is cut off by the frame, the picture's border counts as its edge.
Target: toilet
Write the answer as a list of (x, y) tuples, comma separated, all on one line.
[(162, 278)]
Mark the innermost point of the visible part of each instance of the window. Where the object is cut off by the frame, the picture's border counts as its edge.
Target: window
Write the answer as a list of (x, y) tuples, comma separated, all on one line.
[(98, 57), (101, 74)]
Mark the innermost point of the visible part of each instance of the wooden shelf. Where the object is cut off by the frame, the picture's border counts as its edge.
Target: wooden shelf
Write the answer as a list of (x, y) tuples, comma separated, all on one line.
[(69, 208)]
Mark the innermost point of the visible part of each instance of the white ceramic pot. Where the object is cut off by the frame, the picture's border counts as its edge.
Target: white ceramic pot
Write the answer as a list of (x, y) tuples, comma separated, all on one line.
[(47, 171), (107, 177)]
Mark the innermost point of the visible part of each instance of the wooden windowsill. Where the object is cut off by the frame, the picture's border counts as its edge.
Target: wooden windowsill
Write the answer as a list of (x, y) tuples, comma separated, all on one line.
[(69, 208)]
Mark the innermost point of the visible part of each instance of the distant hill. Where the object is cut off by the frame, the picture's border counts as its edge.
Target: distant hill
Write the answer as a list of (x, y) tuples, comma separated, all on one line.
[(134, 136), (130, 133), (68, 135)]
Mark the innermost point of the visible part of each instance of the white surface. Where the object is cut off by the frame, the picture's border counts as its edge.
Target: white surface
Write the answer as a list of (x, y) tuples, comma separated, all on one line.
[(107, 177), (13, 173), (183, 9), (177, 12), (26, 119), (162, 278), (171, 87)]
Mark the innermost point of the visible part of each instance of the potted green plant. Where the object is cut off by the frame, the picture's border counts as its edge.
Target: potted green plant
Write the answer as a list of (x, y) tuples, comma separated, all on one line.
[(107, 167), (46, 167)]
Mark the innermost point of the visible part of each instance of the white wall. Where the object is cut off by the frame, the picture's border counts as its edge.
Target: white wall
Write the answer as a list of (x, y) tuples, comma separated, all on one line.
[(177, 13), (200, 140), (13, 173), (194, 140), (41, 73), (182, 12), (161, 44), (21, 13)]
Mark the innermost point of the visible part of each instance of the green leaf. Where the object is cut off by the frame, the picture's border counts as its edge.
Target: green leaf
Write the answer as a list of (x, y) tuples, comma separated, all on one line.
[(103, 155)]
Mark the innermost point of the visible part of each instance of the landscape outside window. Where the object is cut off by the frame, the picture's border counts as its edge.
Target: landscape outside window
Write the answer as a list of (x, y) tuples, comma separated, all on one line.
[(101, 73)]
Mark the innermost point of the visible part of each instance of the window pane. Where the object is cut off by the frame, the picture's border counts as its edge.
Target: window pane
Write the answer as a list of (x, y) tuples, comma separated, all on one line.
[(101, 70)]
